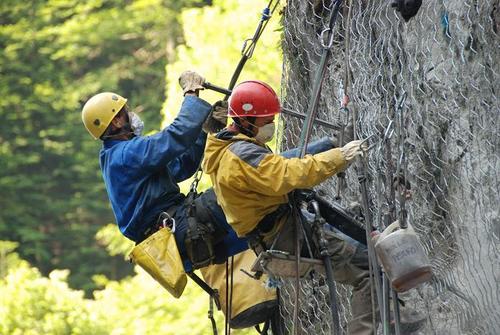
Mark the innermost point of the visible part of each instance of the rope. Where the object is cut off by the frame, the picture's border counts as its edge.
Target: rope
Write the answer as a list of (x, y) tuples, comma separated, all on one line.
[(297, 265), (248, 48), (304, 139), (319, 223), (345, 99), (247, 53), (226, 322), (373, 267), (318, 81), (401, 164), (401, 193), (391, 215), (229, 295), (211, 315), (347, 73)]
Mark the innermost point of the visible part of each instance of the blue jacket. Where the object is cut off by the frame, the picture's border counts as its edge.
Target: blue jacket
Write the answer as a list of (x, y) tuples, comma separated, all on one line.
[(141, 174)]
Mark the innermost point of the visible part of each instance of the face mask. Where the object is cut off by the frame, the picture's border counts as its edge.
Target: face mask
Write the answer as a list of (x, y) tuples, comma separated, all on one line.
[(136, 123), (266, 133)]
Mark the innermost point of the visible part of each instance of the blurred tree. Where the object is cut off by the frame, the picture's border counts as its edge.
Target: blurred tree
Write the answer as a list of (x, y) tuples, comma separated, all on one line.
[(55, 55), (36, 305)]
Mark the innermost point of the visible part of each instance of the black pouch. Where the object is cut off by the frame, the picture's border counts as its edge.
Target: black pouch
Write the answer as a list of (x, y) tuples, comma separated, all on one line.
[(202, 233)]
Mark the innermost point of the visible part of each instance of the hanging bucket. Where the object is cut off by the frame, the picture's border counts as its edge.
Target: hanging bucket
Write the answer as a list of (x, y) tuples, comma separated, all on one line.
[(403, 257)]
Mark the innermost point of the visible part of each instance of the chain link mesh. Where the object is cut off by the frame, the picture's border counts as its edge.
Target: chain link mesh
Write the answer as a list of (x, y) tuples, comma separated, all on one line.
[(442, 67)]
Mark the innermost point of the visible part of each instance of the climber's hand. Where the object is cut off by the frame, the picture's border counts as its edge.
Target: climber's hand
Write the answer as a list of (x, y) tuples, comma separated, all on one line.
[(217, 119), (219, 111), (191, 82), (354, 149)]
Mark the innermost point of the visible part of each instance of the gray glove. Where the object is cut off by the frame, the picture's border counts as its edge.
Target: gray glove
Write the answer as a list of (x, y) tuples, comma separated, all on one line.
[(353, 149), (191, 81), (219, 111), (217, 119)]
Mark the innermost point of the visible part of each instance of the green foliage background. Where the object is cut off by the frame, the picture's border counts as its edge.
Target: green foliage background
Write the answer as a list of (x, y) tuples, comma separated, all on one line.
[(64, 272)]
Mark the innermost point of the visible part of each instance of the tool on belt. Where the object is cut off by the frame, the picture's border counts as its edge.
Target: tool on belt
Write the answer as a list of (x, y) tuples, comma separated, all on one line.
[(203, 232)]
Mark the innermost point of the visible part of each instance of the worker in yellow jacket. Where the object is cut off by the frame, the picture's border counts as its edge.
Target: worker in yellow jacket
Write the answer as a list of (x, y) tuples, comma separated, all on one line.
[(252, 185), (251, 182)]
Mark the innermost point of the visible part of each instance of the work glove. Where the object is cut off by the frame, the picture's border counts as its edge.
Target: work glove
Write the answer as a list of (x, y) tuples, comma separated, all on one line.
[(217, 119), (353, 149), (191, 81)]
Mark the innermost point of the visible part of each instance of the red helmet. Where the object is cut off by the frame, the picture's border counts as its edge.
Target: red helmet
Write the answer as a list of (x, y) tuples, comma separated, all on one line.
[(253, 98)]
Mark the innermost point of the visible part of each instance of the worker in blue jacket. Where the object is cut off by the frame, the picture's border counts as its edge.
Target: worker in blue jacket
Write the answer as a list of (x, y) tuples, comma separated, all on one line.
[(141, 172)]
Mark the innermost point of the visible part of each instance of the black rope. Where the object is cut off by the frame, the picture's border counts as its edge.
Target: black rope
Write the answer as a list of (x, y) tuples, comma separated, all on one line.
[(211, 292), (319, 222), (248, 48), (226, 322), (231, 294), (211, 315), (373, 268), (247, 53)]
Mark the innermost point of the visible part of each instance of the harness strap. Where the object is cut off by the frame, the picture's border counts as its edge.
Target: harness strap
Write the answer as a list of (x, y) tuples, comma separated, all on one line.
[(267, 223), (164, 218), (255, 237), (211, 292), (211, 315)]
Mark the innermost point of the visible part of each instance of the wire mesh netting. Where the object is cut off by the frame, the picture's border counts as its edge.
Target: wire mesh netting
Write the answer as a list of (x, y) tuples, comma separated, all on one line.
[(426, 90)]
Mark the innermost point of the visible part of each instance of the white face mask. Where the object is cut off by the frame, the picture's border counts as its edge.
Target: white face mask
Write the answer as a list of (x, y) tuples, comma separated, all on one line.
[(136, 123), (265, 133)]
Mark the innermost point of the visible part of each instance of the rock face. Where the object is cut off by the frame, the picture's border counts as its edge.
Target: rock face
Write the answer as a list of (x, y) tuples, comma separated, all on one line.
[(427, 90)]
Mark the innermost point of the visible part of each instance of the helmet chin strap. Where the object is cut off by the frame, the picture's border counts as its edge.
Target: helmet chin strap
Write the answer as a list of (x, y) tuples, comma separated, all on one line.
[(114, 136), (125, 130), (245, 131)]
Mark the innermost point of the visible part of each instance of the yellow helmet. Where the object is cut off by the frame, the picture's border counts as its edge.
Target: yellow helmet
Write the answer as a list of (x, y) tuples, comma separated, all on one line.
[(100, 110)]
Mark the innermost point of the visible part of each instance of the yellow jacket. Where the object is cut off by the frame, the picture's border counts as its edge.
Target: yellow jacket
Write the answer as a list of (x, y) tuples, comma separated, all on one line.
[(250, 181)]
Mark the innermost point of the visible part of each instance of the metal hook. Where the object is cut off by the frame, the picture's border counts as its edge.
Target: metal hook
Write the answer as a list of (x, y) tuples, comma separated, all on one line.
[(402, 101), (321, 36), (366, 139), (388, 136), (244, 49)]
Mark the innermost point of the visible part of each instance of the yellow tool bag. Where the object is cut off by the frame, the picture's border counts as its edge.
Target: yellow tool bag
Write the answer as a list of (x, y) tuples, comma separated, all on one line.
[(251, 302), (159, 256)]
